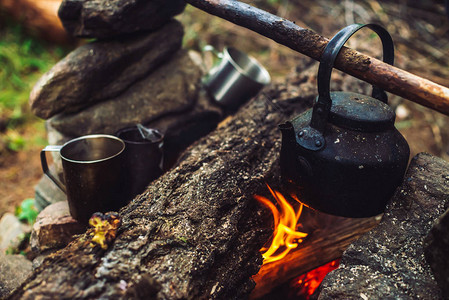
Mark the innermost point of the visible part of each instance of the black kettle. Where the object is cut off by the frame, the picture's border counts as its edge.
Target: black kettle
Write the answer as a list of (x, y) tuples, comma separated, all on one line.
[(344, 156)]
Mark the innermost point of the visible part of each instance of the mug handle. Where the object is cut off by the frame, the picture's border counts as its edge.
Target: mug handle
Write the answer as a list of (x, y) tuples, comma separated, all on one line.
[(45, 168), (210, 48)]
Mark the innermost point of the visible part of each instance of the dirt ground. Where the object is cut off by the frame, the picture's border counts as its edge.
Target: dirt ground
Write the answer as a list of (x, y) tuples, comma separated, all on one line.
[(420, 30), (20, 171)]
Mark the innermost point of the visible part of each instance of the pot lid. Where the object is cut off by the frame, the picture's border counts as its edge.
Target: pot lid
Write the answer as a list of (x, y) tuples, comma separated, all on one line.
[(360, 112)]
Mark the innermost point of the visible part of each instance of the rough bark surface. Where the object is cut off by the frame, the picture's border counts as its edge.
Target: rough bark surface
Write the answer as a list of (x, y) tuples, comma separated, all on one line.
[(436, 251), (196, 231)]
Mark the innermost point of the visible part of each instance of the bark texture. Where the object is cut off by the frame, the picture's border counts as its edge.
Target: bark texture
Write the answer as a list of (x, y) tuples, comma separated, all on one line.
[(196, 231), (436, 250)]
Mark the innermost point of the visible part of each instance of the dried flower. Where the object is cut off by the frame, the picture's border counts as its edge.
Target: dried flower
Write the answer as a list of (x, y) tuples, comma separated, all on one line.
[(105, 228)]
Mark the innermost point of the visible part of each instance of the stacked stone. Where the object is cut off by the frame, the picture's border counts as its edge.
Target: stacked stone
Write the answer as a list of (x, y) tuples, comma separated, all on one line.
[(134, 72)]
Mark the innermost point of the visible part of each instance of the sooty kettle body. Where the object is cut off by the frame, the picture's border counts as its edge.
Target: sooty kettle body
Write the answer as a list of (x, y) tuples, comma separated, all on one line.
[(344, 156)]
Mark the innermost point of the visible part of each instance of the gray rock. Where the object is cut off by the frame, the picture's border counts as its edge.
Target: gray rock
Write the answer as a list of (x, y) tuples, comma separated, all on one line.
[(55, 137), (12, 232), (171, 89), (102, 70), (54, 228), (46, 192), (14, 271), (437, 251), (110, 18), (388, 262), (181, 130)]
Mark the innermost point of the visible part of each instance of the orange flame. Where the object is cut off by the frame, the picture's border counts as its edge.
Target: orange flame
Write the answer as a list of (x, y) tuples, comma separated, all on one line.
[(285, 236), (306, 284)]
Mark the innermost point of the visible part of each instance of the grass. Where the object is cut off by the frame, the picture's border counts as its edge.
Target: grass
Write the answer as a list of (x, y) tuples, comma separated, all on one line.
[(23, 60)]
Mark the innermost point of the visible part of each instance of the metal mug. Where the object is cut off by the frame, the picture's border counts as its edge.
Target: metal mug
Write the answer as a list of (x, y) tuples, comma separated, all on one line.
[(93, 173), (236, 79), (142, 157)]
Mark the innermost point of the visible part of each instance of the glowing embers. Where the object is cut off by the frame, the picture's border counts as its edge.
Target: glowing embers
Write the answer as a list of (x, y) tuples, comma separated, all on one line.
[(285, 236), (306, 284)]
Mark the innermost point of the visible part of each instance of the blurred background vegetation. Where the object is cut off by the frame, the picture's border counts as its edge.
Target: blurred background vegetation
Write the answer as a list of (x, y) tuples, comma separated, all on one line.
[(23, 59)]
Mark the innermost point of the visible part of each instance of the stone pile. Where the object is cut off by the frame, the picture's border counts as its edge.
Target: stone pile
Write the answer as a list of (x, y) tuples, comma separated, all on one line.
[(135, 71)]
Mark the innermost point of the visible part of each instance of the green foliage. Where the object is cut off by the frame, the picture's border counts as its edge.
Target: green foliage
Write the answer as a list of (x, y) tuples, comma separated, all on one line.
[(27, 211), (14, 141), (404, 124), (183, 239), (11, 251), (24, 241), (23, 60)]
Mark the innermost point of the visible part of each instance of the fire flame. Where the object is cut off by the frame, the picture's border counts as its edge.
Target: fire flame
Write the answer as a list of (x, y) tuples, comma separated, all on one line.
[(285, 235), (306, 284)]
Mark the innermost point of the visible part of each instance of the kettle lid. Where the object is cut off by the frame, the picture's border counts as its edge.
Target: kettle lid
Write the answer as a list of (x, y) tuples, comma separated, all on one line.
[(360, 112)]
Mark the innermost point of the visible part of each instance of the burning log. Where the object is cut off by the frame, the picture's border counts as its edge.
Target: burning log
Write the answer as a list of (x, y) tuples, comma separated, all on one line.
[(325, 245), (305, 41), (195, 232), (330, 236)]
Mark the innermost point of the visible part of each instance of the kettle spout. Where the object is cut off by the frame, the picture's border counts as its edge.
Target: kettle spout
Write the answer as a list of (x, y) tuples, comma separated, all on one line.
[(288, 133)]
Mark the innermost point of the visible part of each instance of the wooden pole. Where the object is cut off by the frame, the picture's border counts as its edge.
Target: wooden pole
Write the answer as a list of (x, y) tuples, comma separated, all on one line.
[(307, 42)]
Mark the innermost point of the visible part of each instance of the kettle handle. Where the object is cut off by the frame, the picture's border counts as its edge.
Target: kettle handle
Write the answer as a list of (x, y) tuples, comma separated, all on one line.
[(323, 105)]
